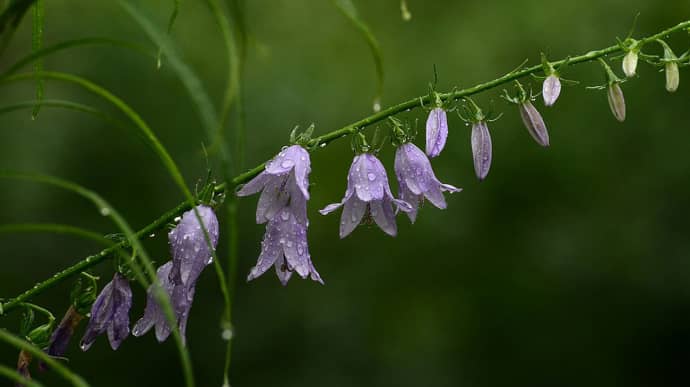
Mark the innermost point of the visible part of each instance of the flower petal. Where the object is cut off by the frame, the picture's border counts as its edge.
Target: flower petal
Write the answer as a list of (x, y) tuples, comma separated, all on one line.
[(254, 185), (272, 199), (382, 212), (551, 89), (369, 177), (352, 215), (534, 123), (285, 160)]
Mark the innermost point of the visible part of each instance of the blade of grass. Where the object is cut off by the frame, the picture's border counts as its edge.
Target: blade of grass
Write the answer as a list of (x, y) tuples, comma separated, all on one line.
[(15, 376), (24, 345)]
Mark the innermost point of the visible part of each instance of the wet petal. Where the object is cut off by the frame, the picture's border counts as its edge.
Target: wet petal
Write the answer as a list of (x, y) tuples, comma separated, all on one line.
[(302, 170), (369, 177), (285, 160), (254, 185), (352, 215), (414, 201), (188, 247), (382, 212), (272, 199), (270, 251)]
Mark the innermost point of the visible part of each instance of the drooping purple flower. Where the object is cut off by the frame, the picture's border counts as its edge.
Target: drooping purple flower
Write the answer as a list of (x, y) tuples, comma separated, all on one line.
[(110, 313), (481, 149), (417, 180), (436, 132), (285, 246), (534, 123), (368, 193), (616, 101), (551, 89), (288, 170), (177, 278)]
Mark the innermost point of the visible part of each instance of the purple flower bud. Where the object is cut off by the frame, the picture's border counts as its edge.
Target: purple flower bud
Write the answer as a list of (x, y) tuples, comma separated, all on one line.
[(110, 313), (367, 193), (616, 101), (534, 123), (436, 132), (191, 254), (59, 340), (481, 149), (417, 180), (284, 177), (551, 89)]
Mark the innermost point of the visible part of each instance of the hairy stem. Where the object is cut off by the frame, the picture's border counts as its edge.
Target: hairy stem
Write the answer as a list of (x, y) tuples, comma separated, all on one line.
[(320, 141)]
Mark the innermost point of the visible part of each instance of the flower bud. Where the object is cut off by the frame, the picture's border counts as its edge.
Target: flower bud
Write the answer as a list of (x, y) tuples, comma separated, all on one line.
[(551, 89), (672, 77), (534, 123), (616, 101), (630, 63), (481, 149)]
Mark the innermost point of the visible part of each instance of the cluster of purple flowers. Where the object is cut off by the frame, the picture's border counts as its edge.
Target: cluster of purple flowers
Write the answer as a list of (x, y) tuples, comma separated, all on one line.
[(284, 187), (109, 314)]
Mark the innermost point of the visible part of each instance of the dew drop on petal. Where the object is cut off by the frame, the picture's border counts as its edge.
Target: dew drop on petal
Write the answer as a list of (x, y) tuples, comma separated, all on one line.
[(287, 163), (371, 176), (285, 215)]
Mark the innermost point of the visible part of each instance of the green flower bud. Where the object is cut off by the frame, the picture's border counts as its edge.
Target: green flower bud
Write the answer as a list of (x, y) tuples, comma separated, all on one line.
[(84, 293)]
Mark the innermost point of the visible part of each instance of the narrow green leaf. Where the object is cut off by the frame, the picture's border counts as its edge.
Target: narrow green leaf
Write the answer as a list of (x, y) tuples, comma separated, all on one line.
[(347, 7), (171, 23), (55, 229), (15, 376), (37, 55), (9, 20), (36, 45)]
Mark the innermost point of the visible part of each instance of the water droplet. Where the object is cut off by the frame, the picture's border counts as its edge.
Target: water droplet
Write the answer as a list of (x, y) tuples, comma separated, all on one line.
[(323, 145), (371, 176), (285, 215), (289, 243), (105, 211), (226, 334), (153, 235), (177, 219), (300, 249), (287, 163), (377, 106)]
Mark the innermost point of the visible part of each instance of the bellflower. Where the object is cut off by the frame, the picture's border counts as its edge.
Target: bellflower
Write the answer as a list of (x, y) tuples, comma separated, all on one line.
[(436, 132), (367, 193), (191, 253), (534, 123), (481, 149), (285, 246), (285, 176), (417, 180), (551, 89), (110, 313)]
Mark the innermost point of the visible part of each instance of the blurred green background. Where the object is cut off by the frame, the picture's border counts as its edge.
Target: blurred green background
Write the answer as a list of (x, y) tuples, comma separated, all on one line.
[(568, 266)]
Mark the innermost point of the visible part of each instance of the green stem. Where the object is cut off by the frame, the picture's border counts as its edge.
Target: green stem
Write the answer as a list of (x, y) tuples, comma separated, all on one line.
[(317, 142)]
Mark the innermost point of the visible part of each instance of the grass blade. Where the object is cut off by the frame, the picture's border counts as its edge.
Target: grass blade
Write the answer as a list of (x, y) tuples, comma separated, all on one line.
[(21, 344), (36, 45)]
